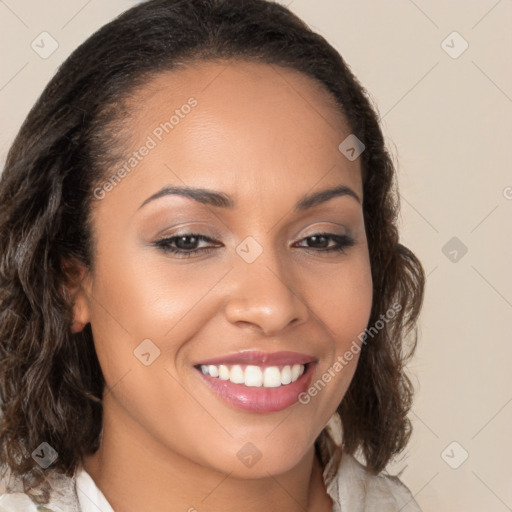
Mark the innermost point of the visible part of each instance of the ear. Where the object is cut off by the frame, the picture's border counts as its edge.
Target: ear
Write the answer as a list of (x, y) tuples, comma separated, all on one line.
[(77, 291)]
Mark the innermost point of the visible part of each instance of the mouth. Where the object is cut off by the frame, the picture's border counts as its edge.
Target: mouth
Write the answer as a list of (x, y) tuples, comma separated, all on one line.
[(257, 381)]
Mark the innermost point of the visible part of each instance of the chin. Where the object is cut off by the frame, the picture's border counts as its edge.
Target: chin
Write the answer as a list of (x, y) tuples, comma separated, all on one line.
[(261, 456)]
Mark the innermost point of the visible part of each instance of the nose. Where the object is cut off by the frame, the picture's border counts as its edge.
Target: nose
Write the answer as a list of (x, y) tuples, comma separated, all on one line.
[(265, 295)]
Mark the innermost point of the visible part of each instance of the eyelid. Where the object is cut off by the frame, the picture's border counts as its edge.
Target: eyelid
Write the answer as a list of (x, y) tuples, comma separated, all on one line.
[(188, 229), (318, 227), (210, 232)]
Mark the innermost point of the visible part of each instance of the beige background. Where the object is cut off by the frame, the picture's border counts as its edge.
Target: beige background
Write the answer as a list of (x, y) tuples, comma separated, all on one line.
[(448, 123)]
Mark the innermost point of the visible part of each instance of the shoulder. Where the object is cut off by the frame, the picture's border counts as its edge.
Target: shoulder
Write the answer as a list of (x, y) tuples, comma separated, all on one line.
[(16, 502), (352, 486), (56, 494), (361, 490), (12, 498)]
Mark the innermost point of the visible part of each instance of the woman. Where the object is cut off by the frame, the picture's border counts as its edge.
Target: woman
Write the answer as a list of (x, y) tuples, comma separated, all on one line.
[(204, 301)]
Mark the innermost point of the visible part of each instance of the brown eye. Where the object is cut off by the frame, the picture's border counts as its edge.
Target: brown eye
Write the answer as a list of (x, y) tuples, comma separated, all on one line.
[(320, 242), (183, 245)]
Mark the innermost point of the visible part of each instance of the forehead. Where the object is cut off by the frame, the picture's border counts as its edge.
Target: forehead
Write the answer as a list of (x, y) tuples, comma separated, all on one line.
[(255, 98), (240, 80), (254, 129)]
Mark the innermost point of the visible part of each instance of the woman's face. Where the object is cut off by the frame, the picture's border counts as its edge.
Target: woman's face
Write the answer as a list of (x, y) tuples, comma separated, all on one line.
[(263, 294)]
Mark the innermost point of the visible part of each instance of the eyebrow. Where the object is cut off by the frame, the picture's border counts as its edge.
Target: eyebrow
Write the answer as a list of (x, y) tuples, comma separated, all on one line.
[(222, 200)]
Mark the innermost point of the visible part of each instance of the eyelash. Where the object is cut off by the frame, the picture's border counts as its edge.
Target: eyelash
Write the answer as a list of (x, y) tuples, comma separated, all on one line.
[(343, 241)]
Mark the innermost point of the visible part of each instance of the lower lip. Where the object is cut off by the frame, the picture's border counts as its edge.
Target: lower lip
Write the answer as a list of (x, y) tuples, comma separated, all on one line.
[(260, 399)]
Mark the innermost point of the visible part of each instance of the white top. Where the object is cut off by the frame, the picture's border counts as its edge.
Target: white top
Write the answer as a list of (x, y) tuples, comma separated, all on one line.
[(350, 485)]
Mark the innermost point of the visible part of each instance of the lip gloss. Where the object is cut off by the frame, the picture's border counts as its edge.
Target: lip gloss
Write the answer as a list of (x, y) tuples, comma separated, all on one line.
[(260, 399)]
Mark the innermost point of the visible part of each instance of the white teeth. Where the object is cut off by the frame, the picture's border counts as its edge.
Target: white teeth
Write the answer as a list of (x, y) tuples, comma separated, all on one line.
[(223, 372), (286, 375), (296, 371), (255, 376), (236, 375), (272, 377)]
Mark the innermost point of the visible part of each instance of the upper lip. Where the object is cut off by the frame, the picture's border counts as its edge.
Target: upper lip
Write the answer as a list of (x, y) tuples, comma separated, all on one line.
[(259, 358)]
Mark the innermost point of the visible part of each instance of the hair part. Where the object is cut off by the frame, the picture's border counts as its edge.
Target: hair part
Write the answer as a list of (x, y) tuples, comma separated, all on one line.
[(51, 383)]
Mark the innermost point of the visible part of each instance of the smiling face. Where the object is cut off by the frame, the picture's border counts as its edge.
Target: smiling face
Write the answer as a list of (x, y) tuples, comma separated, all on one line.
[(266, 290)]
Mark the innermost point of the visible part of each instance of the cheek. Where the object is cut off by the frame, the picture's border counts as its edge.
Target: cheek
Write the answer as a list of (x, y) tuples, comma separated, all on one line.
[(344, 301), (344, 307), (141, 319), (144, 314), (135, 300)]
